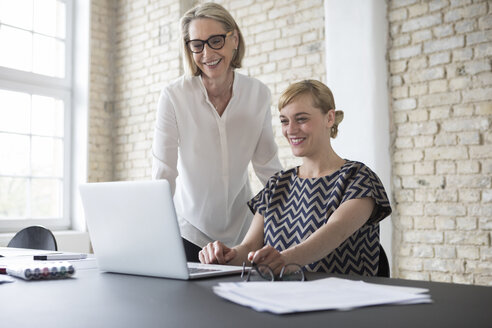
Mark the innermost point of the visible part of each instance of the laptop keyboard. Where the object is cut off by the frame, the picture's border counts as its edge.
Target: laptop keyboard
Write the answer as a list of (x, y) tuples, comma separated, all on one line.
[(200, 270)]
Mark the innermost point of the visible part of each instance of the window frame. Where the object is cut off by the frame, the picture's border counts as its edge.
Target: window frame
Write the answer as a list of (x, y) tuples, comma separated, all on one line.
[(63, 89)]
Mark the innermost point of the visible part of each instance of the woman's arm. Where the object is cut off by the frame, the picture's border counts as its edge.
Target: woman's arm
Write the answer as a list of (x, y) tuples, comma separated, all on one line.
[(344, 221), (265, 159), (217, 252), (165, 142)]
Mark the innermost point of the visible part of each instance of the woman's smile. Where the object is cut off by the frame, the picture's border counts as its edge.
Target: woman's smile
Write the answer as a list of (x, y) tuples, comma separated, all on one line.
[(295, 141)]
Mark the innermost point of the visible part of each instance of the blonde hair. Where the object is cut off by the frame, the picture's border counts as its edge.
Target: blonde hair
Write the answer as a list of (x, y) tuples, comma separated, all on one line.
[(218, 13), (321, 95)]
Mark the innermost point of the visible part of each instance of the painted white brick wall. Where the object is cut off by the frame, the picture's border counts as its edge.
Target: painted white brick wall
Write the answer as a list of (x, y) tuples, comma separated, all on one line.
[(441, 88)]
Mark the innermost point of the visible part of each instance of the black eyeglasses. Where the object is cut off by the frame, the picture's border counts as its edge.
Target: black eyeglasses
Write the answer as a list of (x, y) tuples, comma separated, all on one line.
[(215, 42), (289, 272)]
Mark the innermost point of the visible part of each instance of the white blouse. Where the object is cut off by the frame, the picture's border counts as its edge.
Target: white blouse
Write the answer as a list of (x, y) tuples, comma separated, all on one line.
[(205, 156)]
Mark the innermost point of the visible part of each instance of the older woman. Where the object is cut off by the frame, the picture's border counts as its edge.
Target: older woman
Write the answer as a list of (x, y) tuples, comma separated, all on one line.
[(211, 123), (322, 215)]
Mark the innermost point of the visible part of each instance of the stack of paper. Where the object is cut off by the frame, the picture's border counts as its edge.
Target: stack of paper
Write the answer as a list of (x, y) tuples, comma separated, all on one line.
[(324, 294)]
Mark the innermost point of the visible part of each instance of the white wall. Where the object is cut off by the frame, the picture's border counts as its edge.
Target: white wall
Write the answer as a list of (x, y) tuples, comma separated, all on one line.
[(356, 37)]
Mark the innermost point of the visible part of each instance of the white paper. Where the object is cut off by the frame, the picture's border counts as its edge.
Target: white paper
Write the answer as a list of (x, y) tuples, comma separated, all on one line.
[(324, 294)]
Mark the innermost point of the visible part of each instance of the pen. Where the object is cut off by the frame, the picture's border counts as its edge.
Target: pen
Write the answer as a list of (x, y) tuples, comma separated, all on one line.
[(60, 257)]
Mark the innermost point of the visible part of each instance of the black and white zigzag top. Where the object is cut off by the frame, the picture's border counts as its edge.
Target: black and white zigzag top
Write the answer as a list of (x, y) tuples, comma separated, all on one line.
[(295, 207)]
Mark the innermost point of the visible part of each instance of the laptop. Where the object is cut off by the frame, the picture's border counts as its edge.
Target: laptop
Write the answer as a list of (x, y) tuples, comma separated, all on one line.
[(134, 230)]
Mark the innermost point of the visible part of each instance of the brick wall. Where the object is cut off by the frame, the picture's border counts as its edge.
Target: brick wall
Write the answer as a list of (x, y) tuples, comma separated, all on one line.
[(100, 152), (440, 56)]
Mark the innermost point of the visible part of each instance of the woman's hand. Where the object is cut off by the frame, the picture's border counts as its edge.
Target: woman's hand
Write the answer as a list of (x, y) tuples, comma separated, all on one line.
[(269, 256), (216, 253)]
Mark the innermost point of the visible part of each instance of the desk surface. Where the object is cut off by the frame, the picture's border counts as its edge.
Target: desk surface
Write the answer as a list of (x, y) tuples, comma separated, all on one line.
[(94, 299)]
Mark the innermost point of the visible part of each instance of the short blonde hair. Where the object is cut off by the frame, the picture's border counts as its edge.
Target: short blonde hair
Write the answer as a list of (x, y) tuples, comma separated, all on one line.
[(218, 13), (321, 95)]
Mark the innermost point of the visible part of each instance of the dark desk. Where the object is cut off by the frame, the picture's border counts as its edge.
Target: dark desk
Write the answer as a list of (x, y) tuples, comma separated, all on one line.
[(95, 299)]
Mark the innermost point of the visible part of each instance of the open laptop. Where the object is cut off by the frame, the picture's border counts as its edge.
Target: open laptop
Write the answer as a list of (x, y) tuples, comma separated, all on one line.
[(134, 230)]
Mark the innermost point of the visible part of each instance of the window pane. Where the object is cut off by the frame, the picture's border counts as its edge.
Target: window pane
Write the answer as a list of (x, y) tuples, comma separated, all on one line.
[(14, 111), (45, 198), (47, 116), (47, 157), (17, 13), (16, 48), (50, 56), (14, 154), (13, 197), (49, 18)]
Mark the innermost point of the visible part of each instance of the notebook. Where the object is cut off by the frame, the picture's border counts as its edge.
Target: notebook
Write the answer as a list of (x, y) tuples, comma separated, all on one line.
[(134, 230)]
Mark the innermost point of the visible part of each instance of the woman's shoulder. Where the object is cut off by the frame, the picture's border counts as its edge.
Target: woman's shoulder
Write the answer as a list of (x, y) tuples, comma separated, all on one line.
[(284, 174), (355, 169), (354, 166), (182, 84), (245, 81)]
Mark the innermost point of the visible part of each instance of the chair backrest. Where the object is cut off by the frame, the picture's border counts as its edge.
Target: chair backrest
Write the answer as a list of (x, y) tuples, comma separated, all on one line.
[(383, 268), (34, 237)]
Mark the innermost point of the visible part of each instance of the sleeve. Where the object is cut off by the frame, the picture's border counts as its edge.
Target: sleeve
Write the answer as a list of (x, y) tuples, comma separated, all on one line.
[(265, 158), (165, 143), (365, 183), (260, 202)]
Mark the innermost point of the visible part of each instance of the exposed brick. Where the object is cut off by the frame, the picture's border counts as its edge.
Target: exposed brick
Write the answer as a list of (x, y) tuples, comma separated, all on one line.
[(423, 251), (408, 156), (413, 129), (421, 35), (443, 266), (467, 238), (423, 236), (440, 99), (466, 223), (403, 142), (397, 15), (446, 167), (468, 181), (410, 264), (421, 22), (477, 152), (422, 182), (445, 252), (438, 86), (444, 44), (437, 4), (439, 58), (446, 139), (445, 223), (452, 153), (466, 124), (441, 31), (405, 104), (445, 209), (405, 52)]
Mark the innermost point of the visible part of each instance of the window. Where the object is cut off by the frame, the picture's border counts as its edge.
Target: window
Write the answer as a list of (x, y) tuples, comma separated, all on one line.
[(35, 113)]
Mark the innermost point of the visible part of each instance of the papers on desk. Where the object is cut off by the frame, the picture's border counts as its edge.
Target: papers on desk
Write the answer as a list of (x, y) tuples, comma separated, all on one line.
[(324, 294)]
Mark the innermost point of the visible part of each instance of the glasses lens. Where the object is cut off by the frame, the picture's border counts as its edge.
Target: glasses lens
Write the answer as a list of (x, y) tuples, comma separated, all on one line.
[(292, 272), (195, 46), (261, 273), (216, 42)]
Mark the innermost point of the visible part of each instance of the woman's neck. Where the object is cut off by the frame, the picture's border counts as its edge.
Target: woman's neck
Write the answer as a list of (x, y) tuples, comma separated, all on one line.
[(315, 167), (219, 87)]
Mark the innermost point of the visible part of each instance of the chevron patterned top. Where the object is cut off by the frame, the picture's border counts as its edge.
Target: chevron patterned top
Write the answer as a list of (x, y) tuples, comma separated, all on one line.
[(295, 207)]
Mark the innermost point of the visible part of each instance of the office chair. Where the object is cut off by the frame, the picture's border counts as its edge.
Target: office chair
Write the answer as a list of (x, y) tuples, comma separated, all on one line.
[(34, 237), (383, 268)]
